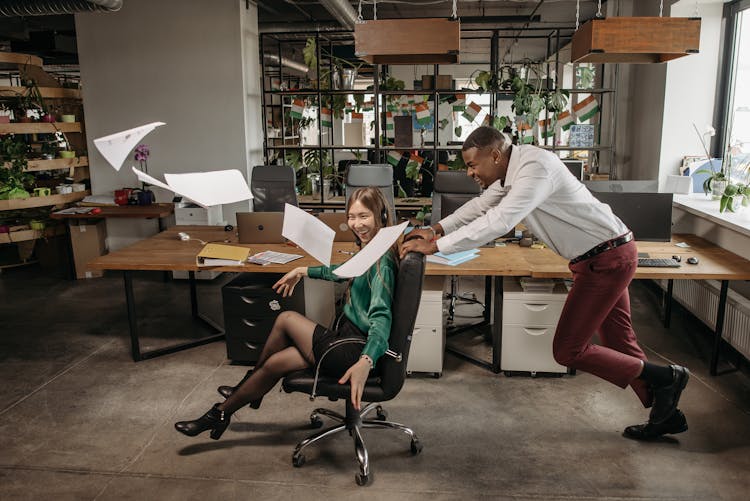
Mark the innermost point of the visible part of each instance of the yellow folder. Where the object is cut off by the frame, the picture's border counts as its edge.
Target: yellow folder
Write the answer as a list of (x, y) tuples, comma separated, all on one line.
[(222, 255)]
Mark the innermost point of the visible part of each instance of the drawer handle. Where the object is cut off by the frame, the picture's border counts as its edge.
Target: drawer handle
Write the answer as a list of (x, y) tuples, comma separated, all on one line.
[(534, 332), (536, 307), (249, 323), (251, 346), (248, 300)]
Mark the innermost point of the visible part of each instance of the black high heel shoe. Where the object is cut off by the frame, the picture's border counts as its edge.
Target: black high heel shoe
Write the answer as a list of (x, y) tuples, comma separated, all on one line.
[(215, 420), (226, 391)]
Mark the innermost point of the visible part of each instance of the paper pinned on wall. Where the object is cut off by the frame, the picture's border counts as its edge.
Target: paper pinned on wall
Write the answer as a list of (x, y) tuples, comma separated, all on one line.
[(309, 232), (371, 252), (115, 147), (204, 188)]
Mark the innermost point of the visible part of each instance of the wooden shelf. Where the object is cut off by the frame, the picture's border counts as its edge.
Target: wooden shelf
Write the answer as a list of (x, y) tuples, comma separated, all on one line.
[(56, 164), (26, 235), (40, 127), (47, 92), (28, 203), (14, 59)]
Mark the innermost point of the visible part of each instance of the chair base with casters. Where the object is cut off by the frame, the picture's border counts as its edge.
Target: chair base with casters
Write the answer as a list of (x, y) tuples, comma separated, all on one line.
[(383, 385)]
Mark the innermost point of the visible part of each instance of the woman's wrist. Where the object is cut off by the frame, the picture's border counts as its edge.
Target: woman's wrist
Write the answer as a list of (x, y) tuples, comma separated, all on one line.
[(369, 360)]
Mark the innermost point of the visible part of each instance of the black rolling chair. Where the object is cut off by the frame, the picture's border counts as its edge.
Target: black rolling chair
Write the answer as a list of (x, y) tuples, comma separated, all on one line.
[(452, 190), (380, 175), (380, 388), (272, 186)]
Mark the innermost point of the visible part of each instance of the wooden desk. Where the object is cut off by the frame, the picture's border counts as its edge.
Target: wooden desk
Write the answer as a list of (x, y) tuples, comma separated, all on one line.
[(166, 252), (152, 211)]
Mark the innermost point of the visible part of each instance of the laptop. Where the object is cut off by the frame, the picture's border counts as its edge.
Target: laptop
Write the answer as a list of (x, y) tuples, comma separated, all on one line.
[(260, 227), (337, 221)]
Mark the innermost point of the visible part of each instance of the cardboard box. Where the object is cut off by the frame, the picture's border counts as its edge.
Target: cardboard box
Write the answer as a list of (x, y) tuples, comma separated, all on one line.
[(445, 82), (88, 242), (428, 81)]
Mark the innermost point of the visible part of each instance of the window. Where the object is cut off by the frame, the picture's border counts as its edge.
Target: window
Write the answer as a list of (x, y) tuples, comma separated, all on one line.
[(738, 84)]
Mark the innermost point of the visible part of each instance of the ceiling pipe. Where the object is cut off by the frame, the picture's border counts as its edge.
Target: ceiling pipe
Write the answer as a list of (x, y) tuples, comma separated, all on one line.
[(304, 27), (342, 11), (13, 8), (289, 63)]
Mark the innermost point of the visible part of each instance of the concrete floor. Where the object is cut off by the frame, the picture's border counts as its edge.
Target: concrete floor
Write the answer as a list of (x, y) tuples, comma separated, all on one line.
[(80, 420)]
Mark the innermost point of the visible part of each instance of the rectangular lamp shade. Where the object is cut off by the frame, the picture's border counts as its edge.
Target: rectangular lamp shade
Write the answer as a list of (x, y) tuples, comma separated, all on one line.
[(636, 39), (408, 41)]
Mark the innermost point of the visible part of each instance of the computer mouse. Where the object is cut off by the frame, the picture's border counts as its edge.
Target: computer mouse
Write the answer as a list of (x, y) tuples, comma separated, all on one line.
[(692, 260)]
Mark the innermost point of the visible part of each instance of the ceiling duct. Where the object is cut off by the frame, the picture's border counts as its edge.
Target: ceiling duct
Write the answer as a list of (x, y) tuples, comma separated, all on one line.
[(13, 8), (342, 11), (288, 63)]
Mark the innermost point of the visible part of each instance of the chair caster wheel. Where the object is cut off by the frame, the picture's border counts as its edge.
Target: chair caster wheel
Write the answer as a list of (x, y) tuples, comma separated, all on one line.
[(362, 480), (416, 447), (382, 415), (298, 461), (315, 421)]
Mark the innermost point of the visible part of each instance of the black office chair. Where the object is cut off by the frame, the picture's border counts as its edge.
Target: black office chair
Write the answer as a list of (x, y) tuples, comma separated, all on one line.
[(391, 372), (453, 188), (380, 175), (272, 186)]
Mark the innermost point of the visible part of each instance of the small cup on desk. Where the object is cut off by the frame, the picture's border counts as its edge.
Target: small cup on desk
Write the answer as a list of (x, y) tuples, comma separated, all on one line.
[(64, 189), (42, 192), (78, 187), (122, 196)]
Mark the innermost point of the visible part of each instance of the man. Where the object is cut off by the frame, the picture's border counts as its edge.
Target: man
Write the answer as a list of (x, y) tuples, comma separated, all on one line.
[(530, 185)]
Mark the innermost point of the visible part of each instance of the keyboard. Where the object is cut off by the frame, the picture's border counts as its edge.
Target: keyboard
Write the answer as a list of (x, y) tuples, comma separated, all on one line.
[(657, 262)]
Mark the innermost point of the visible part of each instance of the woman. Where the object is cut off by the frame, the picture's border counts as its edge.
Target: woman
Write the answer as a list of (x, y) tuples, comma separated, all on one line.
[(296, 342)]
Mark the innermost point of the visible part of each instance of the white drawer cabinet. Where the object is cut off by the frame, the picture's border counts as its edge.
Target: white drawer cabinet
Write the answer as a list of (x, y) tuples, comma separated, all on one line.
[(428, 339), (529, 323)]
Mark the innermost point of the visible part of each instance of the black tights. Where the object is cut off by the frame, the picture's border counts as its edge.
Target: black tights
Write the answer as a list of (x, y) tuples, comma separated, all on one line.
[(288, 349)]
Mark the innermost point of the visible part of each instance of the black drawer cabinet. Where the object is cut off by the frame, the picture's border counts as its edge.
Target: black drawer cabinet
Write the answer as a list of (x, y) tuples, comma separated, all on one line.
[(250, 309)]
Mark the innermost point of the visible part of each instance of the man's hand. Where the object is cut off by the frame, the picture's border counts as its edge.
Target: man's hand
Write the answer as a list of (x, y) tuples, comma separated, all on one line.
[(418, 245), (357, 377)]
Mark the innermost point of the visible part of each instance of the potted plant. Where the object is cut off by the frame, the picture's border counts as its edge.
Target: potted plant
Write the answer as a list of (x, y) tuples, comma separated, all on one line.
[(734, 197), (342, 74), (716, 182), (13, 178)]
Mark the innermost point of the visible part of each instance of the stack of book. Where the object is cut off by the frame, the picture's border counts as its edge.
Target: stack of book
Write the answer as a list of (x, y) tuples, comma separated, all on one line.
[(453, 259)]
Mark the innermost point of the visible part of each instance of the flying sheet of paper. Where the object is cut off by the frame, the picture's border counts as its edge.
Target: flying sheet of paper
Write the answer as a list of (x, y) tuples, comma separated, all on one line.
[(204, 188), (115, 147), (309, 232), (371, 252)]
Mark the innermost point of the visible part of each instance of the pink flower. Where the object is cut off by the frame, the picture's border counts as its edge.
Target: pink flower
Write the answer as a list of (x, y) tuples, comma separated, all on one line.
[(141, 153)]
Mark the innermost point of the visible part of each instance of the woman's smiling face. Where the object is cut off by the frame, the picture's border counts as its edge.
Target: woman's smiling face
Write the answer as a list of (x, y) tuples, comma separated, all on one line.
[(362, 221)]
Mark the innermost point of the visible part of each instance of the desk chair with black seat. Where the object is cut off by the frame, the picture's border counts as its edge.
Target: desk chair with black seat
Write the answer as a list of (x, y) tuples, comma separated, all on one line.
[(272, 186), (452, 190), (380, 175), (383, 385)]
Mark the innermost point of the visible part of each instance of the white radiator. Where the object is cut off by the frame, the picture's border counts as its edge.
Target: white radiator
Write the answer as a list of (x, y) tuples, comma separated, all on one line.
[(701, 297)]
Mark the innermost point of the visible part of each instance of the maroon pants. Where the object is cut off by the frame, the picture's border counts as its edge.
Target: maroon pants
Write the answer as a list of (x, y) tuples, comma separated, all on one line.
[(599, 302)]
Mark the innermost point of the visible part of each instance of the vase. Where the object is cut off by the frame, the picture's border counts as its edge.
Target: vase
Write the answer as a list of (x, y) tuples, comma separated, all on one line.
[(717, 189)]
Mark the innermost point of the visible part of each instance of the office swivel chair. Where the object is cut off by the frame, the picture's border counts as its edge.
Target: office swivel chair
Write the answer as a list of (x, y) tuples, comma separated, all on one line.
[(452, 190), (272, 186), (383, 385), (380, 175)]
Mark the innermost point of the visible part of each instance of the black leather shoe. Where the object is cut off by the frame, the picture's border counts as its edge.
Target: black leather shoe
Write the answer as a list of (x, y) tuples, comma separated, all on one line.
[(650, 431), (214, 420), (667, 397)]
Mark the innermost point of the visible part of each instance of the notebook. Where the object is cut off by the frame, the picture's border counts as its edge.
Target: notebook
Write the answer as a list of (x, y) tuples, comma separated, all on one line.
[(260, 227), (337, 222), (222, 255)]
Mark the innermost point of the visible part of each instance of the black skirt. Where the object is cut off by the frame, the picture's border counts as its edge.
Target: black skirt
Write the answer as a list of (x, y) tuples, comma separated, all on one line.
[(341, 358)]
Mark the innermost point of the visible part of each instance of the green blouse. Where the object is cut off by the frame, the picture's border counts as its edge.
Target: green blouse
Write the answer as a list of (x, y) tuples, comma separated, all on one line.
[(369, 304)]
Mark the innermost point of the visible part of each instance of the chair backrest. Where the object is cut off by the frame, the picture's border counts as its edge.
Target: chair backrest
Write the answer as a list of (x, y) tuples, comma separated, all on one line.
[(453, 188), (380, 175), (272, 186), (406, 299)]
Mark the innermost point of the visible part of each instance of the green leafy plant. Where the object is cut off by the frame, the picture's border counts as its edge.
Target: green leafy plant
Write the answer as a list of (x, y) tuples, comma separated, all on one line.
[(585, 76), (13, 178), (734, 196)]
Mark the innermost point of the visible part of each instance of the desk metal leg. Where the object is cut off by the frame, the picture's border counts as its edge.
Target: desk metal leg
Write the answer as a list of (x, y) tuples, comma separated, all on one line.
[(493, 365), (719, 327), (668, 303), (135, 347)]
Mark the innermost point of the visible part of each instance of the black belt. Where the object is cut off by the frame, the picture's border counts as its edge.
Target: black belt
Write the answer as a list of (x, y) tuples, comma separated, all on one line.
[(604, 246)]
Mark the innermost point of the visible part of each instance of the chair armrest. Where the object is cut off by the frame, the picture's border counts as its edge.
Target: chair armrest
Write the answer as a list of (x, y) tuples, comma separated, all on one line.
[(397, 356)]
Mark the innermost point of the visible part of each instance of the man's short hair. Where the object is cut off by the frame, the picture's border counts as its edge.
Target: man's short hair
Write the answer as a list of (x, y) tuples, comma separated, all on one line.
[(485, 138)]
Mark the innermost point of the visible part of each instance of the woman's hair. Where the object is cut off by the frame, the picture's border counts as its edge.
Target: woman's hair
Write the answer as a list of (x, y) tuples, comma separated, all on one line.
[(485, 138)]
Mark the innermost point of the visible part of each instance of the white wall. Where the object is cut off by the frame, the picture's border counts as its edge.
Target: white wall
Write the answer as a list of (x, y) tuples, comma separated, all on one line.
[(178, 62), (691, 86)]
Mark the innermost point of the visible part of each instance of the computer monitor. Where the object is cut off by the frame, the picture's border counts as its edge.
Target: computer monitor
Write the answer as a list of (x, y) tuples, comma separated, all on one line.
[(648, 215), (624, 186), (575, 167)]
